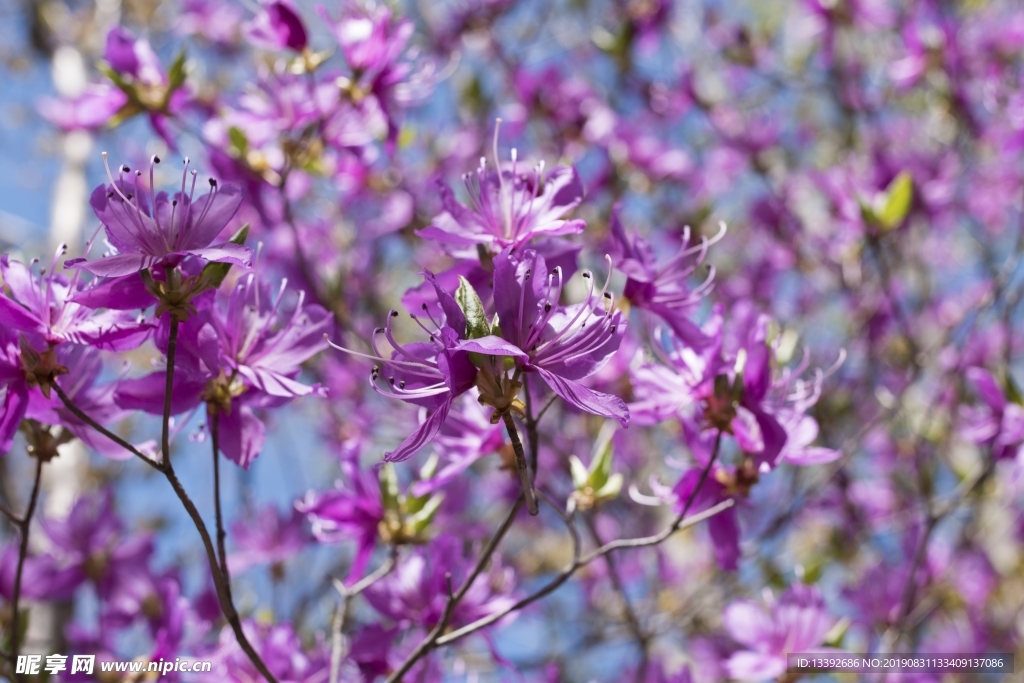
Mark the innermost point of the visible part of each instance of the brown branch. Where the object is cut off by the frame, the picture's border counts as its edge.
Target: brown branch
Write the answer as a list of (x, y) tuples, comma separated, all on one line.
[(432, 638), (172, 347), (572, 568), (680, 522), (70, 405), (642, 638), (524, 471), (341, 615), (23, 527)]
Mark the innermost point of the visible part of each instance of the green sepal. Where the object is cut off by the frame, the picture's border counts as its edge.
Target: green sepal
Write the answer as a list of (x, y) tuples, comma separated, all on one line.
[(611, 488), (580, 474)]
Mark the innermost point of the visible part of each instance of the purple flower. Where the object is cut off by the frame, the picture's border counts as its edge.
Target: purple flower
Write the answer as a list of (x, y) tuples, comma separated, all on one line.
[(998, 422), (724, 527), (466, 436), (277, 26), (47, 305), (416, 591), (16, 387), (431, 374), (277, 645), (149, 231), (84, 367), (508, 207), (136, 70), (351, 511), (796, 622), (42, 576), (268, 537), (663, 289), (238, 356), (383, 72), (563, 344), (91, 110)]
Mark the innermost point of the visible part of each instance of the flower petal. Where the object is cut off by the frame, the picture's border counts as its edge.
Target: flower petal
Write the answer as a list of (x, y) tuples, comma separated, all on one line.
[(423, 434), (587, 399)]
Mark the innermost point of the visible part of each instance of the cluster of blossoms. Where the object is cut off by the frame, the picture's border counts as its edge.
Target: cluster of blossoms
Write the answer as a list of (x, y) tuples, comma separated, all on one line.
[(538, 378)]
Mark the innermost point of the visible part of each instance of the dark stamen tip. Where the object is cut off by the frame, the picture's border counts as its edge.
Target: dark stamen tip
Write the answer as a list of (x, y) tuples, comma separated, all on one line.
[(125, 169), (607, 295), (423, 306), (213, 182), (156, 160), (394, 314)]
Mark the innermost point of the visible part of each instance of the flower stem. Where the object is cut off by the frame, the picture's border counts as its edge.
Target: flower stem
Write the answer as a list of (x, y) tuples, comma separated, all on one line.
[(521, 466), (172, 347)]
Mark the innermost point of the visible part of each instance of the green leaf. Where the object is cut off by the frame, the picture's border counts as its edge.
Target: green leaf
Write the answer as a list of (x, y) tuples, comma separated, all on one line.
[(834, 637), (1012, 390), (239, 142), (176, 74), (895, 203), (117, 79), (421, 520), (469, 301), (126, 112), (215, 272), (601, 465), (389, 491)]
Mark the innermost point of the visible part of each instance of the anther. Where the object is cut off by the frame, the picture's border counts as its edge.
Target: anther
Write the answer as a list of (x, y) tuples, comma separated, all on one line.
[(401, 385), (423, 306), (613, 329), (125, 169), (213, 182), (607, 295), (547, 307), (394, 314), (586, 274), (156, 160)]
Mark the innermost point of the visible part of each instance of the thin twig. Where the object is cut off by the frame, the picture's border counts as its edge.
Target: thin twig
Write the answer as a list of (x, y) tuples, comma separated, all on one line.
[(23, 527), (680, 522), (70, 405), (642, 638), (585, 560), (341, 614), (214, 420), (432, 638)]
